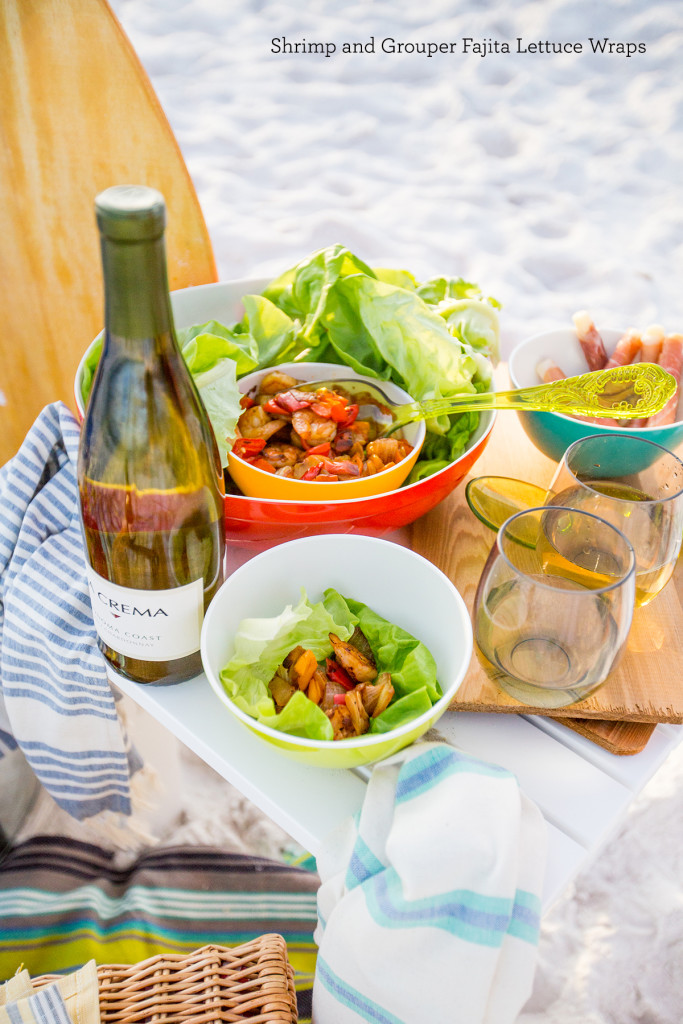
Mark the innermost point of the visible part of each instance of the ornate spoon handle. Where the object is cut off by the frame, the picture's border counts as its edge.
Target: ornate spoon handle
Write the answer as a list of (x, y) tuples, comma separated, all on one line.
[(623, 392)]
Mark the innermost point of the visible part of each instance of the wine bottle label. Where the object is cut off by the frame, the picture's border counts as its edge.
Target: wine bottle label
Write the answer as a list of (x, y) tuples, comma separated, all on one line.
[(153, 625)]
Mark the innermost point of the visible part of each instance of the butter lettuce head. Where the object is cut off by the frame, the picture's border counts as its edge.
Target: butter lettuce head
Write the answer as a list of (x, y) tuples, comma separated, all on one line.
[(434, 338), (262, 644)]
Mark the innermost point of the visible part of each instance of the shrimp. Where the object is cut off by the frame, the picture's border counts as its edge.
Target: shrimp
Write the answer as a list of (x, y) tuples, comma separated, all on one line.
[(388, 449), (255, 422), (352, 661), (311, 428), (276, 381), (281, 455)]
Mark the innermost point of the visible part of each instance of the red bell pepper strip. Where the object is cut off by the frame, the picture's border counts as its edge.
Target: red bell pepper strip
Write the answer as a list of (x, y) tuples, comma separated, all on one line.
[(330, 405), (312, 472), (246, 402), (339, 698), (244, 447), (272, 407), (341, 468), (337, 674), (351, 413), (319, 449), (262, 464), (322, 409)]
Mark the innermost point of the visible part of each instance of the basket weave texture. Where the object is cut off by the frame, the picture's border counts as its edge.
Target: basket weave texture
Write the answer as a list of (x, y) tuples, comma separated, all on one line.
[(253, 982)]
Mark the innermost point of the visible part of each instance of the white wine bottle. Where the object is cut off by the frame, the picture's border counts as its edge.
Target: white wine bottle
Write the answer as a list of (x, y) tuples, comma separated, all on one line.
[(149, 473)]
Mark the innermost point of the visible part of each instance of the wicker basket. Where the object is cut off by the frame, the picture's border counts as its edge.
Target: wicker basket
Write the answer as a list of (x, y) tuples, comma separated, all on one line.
[(253, 982)]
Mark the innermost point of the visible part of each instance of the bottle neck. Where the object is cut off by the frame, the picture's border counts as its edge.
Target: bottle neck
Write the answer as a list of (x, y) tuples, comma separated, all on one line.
[(137, 306)]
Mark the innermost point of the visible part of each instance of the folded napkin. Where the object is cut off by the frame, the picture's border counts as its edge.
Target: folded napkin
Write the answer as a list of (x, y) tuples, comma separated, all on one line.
[(55, 699), (429, 906), (72, 999)]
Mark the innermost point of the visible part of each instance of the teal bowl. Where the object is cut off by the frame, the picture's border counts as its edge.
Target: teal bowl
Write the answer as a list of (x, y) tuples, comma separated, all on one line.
[(553, 432)]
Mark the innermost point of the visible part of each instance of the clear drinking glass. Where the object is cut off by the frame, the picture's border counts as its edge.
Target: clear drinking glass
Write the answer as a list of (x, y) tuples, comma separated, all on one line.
[(637, 486), (554, 605)]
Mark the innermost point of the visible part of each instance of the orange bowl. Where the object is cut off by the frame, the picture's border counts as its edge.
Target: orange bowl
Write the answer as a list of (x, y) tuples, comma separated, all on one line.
[(258, 483), (251, 521)]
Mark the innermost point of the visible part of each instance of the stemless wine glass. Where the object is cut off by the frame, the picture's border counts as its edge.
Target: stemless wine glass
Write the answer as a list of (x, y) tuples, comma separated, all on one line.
[(637, 486), (554, 605)]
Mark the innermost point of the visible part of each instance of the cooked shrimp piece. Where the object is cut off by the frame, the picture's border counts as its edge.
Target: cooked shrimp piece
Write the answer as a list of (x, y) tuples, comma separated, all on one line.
[(276, 381), (342, 725), (255, 422), (281, 455), (352, 661), (626, 349), (548, 371), (311, 428), (309, 462), (388, 449), (589, 340)]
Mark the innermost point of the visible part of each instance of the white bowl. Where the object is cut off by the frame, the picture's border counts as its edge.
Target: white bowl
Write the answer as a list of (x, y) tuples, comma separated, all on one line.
[(403, 587)]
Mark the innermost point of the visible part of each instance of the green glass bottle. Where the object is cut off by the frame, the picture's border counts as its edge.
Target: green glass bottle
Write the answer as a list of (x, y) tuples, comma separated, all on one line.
[(149, 473)]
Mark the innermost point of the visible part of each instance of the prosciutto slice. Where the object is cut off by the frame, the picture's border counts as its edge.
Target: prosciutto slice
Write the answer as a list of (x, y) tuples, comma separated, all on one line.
[(626, 349), (653, 337), (671, 359), (590, 341)]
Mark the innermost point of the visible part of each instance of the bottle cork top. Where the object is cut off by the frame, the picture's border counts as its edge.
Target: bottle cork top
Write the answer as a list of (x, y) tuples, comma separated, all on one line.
[(130, 213)]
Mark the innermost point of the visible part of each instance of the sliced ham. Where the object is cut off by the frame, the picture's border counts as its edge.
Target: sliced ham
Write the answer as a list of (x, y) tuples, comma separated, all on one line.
[(590, 341), (670, 359)]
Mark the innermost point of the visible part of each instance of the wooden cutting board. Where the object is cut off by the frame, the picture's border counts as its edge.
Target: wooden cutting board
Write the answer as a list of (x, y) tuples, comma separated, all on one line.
[(644, 689)]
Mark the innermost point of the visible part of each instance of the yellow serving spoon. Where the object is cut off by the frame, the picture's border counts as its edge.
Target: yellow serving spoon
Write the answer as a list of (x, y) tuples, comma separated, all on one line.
[(623, 392)]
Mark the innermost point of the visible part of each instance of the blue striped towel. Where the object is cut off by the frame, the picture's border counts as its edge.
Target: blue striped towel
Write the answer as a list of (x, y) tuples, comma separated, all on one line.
[(429, 907), (55, 699)]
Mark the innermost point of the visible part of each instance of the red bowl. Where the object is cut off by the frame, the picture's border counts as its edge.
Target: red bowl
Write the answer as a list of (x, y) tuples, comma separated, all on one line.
[(251, 521)]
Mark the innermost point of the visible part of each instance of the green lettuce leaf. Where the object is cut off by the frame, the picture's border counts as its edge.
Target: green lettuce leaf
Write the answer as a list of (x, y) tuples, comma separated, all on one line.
[(92, 358), (410, 663), (402, 711), (215, 356), (204, 345), (273, 331)]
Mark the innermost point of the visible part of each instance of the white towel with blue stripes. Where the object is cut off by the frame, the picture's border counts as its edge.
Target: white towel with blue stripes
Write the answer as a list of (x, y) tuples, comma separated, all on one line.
[(55, 700), (429, 907)]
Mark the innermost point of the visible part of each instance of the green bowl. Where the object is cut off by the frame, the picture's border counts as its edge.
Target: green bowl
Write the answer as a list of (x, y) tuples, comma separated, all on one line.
[(551, 432), (394, 581)]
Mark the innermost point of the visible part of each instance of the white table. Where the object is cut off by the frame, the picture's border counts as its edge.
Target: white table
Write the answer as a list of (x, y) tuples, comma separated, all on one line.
[(582, 790)]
